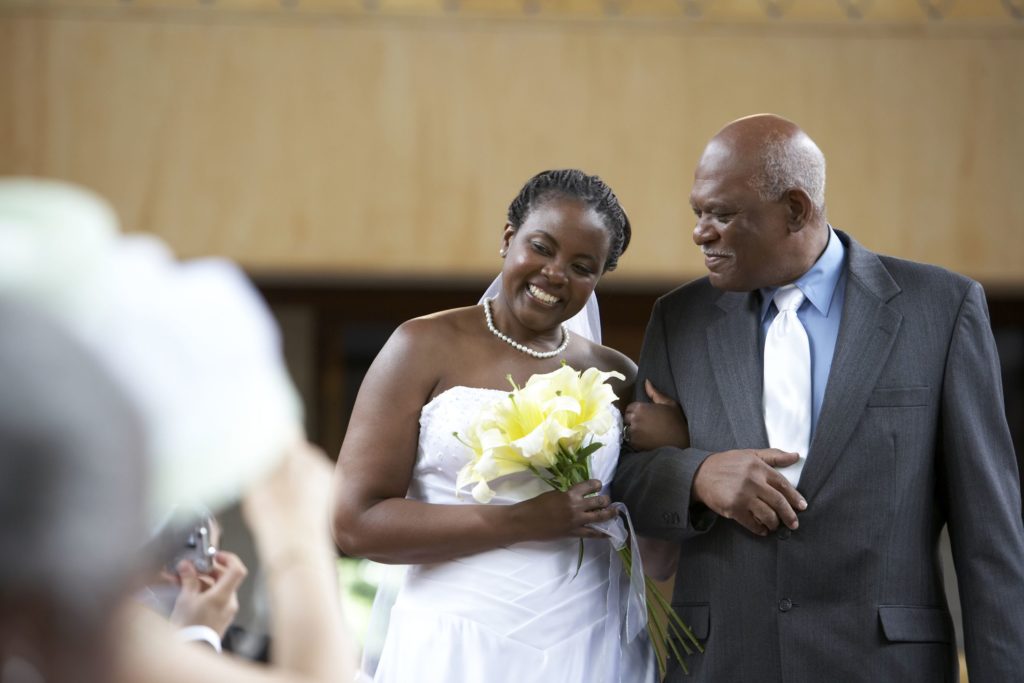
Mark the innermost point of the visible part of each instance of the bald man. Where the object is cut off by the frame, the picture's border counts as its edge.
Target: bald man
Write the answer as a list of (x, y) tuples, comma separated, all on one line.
[(821, 564)]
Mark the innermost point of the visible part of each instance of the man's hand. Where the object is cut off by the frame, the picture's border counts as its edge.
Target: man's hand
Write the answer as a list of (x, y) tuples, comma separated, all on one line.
[(744, 486), (209, 599)]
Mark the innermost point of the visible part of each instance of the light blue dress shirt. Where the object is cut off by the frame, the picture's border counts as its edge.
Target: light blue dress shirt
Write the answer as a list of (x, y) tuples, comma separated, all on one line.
[(824, 287)]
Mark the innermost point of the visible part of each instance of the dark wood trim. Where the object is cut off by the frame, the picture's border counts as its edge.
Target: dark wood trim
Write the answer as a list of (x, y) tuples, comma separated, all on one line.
[(352, 319)]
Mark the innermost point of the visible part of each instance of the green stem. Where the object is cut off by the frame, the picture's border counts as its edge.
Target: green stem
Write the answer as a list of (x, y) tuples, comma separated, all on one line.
[(660, 634), (662, 639), (677, 622), (657, 642)]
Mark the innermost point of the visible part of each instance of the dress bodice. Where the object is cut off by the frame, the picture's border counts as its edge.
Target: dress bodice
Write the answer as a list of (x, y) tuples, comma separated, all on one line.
[(533, 610)]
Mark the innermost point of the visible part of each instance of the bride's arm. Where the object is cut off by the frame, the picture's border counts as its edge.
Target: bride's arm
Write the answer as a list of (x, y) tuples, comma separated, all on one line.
[(660, 422), (371, 516)]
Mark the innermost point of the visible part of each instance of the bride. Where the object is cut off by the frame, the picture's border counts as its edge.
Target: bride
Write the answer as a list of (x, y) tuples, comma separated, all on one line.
[(493, 594)]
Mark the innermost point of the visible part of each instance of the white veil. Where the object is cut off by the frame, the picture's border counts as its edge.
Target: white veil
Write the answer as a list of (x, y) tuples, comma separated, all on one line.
[(586, 323)]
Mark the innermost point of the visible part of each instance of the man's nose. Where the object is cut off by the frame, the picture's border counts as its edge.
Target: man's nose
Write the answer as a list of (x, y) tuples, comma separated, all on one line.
[(703, 232)]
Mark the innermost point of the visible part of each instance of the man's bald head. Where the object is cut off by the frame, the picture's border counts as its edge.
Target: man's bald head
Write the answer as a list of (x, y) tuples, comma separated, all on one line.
[(779, 155)]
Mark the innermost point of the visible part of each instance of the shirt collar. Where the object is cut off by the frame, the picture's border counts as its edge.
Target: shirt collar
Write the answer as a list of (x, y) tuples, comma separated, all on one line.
[(818, 283)]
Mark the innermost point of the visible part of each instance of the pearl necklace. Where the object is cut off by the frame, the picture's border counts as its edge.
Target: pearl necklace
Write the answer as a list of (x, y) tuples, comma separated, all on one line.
[(523, 347)]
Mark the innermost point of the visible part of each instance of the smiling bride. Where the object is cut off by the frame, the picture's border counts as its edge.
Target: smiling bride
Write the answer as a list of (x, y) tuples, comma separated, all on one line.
[(493, 593)]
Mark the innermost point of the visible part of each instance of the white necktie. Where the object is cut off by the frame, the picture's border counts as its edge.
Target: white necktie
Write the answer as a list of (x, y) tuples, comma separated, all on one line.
[(787, 381)]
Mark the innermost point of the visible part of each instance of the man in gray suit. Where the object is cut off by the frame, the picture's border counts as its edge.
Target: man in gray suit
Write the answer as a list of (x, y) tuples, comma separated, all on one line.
[(822, 565)]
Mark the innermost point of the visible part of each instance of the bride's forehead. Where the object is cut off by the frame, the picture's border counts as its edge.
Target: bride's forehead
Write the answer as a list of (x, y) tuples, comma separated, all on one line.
[(566, 218)]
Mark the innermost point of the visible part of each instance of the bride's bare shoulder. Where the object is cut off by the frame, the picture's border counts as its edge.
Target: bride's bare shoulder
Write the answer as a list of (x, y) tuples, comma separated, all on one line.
[(608, 359), (445, 324), (423, 351), (438, 331)]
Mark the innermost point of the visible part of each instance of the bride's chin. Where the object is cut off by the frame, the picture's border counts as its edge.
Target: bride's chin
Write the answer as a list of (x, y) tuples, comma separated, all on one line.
[(540, 321)]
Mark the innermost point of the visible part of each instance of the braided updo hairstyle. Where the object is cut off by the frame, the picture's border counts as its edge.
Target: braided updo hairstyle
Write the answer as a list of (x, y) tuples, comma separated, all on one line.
[(590, 190)]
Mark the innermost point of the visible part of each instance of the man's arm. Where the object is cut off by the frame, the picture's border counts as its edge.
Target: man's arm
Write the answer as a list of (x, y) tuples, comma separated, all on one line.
[(675, 493), (655, 485), (983, 492)]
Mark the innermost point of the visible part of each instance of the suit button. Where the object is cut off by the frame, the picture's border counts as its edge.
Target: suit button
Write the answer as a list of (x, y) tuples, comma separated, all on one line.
[(784, 533), (785, 604)]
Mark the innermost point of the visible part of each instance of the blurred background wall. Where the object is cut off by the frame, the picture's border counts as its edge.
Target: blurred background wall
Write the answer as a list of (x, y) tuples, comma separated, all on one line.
[(357, 156), (386, 137)]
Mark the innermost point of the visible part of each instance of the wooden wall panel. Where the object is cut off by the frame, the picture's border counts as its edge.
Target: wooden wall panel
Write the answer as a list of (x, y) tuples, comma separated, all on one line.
[(390, 145)]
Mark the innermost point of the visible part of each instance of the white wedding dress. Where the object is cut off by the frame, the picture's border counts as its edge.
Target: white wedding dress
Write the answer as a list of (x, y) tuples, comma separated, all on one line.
[(516, 613)]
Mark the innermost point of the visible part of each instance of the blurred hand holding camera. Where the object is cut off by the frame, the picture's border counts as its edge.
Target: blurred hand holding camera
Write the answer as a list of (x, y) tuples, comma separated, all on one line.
[(209, 599)]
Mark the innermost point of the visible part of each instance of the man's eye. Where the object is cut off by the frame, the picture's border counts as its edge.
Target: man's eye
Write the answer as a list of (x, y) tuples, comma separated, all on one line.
[(540, 248), (724, 217)]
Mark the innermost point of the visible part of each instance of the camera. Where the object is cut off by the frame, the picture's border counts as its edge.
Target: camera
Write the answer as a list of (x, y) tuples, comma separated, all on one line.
[(195, 543)]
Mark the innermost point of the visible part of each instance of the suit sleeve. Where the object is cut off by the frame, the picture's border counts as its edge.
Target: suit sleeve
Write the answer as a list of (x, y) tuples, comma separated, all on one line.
[(983, 496), (655, 485)]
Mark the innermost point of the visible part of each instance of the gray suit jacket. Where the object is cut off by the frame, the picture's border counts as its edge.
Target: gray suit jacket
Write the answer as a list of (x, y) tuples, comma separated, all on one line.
[(912, 435)]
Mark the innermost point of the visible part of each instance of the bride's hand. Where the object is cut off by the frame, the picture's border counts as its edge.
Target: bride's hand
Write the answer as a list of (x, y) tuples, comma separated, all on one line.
[(556, 514), (658, 423)]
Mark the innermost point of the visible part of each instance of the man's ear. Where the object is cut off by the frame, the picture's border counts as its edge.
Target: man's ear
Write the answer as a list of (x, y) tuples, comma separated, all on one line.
[(506, 239), (800, 208)]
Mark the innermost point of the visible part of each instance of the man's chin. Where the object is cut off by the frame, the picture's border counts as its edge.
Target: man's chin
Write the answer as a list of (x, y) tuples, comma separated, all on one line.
[(725, 283)]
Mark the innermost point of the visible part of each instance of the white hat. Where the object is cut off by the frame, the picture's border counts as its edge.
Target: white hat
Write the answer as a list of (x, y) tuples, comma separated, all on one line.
[(191, 343)]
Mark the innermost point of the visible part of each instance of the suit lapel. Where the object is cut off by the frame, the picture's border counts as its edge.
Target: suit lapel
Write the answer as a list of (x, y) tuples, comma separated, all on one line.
[(866, 334), (733, 347)]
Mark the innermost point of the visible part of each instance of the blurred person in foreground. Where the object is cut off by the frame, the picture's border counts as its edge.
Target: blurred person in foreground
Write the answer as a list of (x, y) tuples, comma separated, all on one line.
[(176, 373), (71, 498), (843, 407)]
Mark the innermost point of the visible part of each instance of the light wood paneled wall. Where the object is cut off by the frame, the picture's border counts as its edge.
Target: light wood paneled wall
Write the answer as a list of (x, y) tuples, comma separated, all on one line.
[(332, 139)]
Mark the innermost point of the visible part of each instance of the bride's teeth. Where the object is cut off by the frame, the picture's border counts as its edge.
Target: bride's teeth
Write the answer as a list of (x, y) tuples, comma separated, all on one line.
[(542, 295)]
